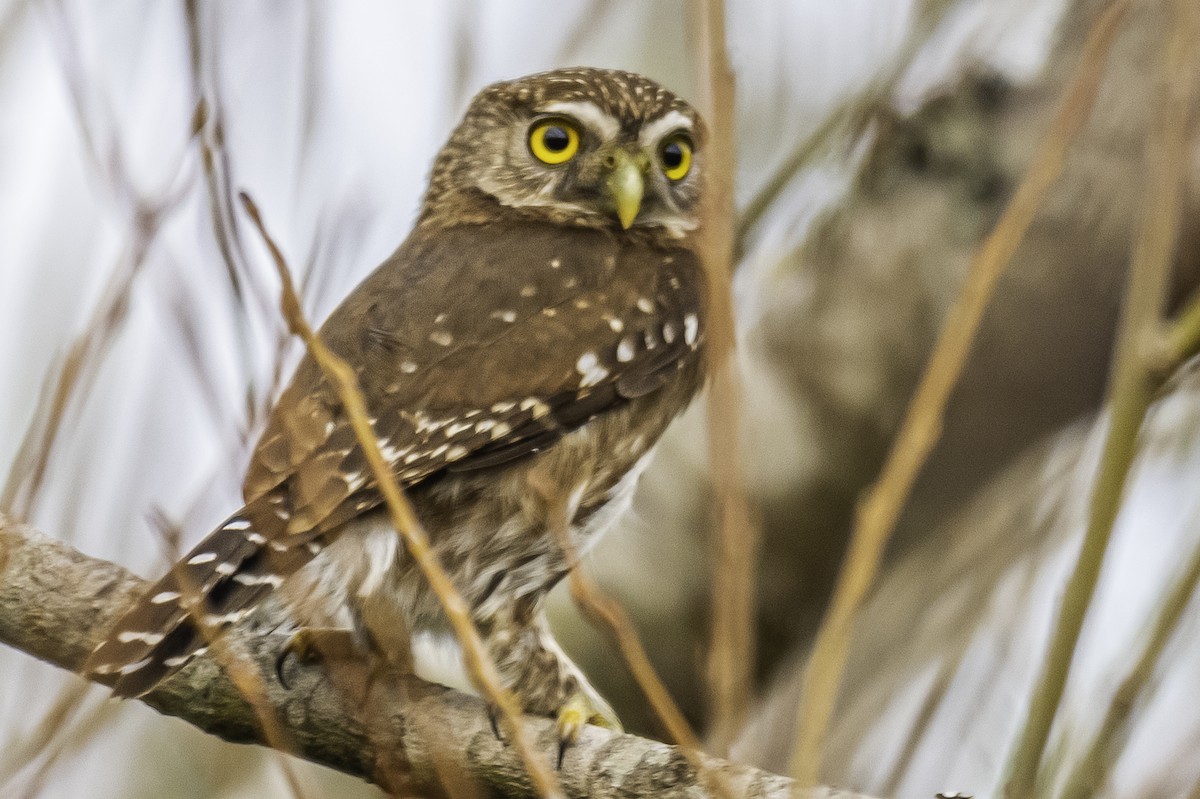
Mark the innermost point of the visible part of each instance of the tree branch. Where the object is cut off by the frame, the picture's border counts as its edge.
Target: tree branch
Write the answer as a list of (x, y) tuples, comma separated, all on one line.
[(55, 604)]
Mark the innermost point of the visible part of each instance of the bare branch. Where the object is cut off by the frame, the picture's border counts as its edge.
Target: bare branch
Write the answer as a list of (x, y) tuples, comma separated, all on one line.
[(56, 603)]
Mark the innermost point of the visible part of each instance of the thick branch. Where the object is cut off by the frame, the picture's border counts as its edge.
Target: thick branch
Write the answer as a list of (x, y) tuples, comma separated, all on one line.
[(55, 603)]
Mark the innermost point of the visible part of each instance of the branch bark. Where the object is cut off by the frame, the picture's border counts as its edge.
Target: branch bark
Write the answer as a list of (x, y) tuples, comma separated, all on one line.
[(55, 604)]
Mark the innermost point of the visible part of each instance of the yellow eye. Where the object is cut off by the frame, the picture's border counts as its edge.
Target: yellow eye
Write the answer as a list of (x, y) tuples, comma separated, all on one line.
[(553, 141), (676, 157)]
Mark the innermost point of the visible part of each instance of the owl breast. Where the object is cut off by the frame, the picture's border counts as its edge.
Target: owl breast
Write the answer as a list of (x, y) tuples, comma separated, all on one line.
[(493, 529), (496, 531)]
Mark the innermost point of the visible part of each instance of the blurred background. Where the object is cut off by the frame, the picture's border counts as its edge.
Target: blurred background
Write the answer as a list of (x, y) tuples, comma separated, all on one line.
[(877, 142)]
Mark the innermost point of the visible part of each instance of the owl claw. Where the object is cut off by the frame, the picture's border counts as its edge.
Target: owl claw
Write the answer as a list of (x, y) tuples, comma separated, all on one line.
[(578, 711), (313, 645)]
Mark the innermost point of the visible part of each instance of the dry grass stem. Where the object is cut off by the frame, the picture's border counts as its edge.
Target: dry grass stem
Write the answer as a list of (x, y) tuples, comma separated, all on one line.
[(1183, 339), (78, 370), (880, 508), (56, 720), (1092, 770), (479, 664), (930, 705), (244, 677), (65, 390), (87, 727), (1136, 376), (730, 666), (606, 613)]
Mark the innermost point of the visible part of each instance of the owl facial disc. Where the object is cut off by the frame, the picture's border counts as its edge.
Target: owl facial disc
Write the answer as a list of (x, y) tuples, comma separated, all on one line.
[(579, 147)]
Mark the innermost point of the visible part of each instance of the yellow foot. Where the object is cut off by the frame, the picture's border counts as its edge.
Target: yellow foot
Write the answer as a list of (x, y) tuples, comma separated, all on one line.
[(581, 709)]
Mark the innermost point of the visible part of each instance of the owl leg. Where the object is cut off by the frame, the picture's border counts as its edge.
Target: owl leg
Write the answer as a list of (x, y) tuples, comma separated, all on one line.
[(533, 666)]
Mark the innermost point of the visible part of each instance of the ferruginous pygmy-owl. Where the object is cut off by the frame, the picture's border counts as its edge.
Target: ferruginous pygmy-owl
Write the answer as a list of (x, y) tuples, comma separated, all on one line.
[(520, 354)]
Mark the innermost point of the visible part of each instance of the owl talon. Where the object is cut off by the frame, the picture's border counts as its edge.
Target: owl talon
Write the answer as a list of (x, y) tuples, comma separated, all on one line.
[(579, 711), (311, 645)]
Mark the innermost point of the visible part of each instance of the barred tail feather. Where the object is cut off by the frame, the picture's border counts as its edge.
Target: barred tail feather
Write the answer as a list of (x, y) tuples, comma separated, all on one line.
[(215, 585)]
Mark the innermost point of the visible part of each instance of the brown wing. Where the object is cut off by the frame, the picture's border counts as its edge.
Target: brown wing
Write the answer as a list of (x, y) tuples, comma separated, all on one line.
[(475, 347)]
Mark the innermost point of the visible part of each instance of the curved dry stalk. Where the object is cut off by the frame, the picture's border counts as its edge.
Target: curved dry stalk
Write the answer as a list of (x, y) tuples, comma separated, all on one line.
[(880, 509), (1136, 376), (479, 664), (88, 726), (607, 614)]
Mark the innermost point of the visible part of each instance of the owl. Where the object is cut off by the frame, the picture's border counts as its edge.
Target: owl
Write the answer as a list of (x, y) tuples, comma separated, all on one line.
[(520, 355)]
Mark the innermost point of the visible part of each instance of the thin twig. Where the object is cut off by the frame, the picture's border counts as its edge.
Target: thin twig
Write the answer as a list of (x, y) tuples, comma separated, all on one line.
[(1183, 341), (248, 681), (247, 285), (479, 664), (1136, 376), (880, 509), (606, 613)]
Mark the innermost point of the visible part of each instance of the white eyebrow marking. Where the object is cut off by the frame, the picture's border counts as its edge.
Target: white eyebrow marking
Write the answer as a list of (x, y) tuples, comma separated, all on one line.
[(668, 123), (589, 114)]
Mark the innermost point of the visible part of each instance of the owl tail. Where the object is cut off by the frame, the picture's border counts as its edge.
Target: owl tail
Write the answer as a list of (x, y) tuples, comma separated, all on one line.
[(215, 585)]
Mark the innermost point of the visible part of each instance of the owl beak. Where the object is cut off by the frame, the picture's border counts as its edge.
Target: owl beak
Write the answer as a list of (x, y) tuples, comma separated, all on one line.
[(626, 185)]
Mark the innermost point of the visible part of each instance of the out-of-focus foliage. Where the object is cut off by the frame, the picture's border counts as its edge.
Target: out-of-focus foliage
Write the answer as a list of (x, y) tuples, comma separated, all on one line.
[(330, 114)]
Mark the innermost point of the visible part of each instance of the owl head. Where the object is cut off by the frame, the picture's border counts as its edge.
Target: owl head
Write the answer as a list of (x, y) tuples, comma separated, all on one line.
[(589, 147)]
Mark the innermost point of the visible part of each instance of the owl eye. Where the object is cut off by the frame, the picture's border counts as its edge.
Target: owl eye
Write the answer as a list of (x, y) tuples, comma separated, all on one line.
[(553, 141), (676, 157)]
